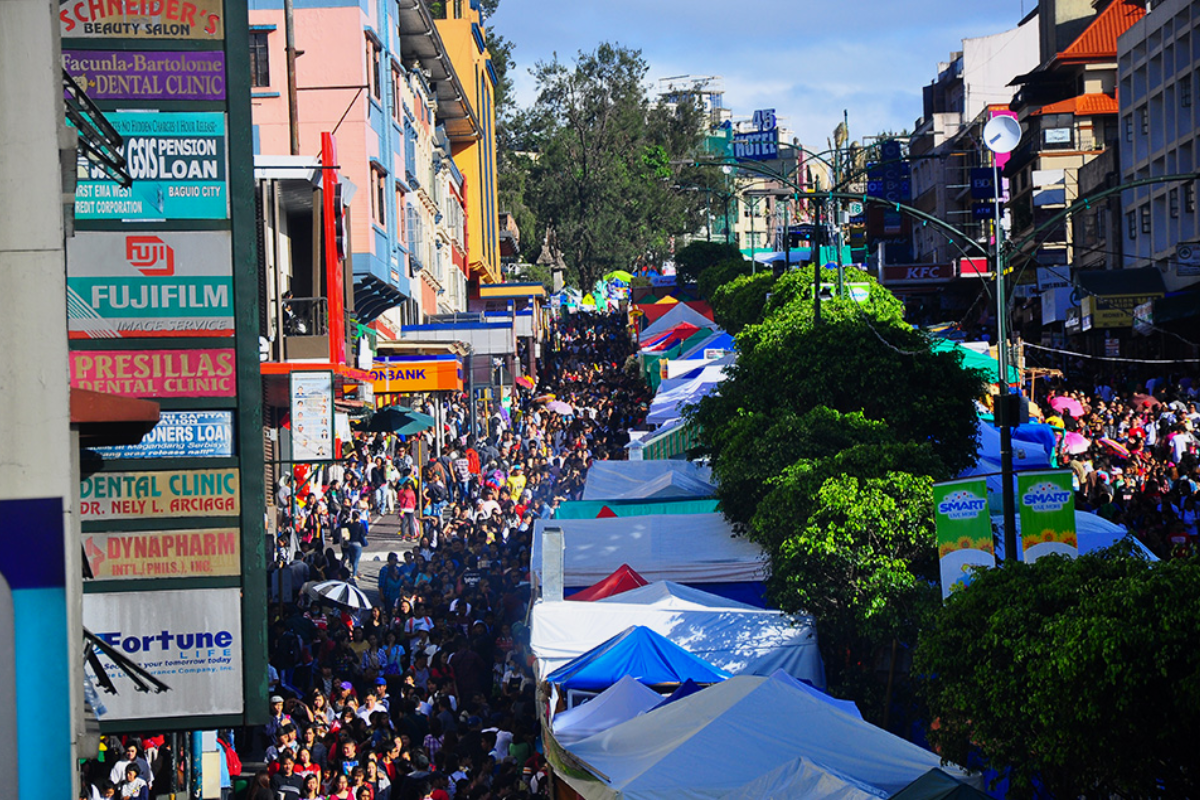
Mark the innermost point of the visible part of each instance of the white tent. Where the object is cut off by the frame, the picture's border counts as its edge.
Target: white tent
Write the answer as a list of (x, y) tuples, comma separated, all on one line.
[(678, 315), (716, 741), (675, 596), (1092, 532), (618, 480), (622, 701), (800, 777), (675, 393), (686, 548), (732, 638)]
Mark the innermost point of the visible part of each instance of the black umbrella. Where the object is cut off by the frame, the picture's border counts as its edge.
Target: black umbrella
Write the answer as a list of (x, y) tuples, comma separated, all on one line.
[(399, 419)]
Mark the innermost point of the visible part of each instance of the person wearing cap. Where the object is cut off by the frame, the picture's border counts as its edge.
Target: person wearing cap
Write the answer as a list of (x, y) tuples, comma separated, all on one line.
[(278, 717)]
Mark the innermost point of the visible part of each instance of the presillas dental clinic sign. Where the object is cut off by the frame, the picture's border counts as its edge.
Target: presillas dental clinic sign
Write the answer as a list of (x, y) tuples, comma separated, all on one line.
[(190, 640), (176, 161), (156, 373)]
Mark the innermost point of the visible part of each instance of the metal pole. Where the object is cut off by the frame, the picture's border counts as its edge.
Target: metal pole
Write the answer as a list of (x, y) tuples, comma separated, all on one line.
[(708, 216), (293, 112), (726, 219), (1006, 409), (787, 239), (753, 243), (819, 233)]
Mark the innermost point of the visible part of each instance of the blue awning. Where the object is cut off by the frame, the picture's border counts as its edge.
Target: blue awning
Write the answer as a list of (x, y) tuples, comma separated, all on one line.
[(637, 651)]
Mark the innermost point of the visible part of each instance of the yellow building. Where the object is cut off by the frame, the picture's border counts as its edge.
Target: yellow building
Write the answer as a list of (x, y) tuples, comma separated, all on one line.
[(460, 25)]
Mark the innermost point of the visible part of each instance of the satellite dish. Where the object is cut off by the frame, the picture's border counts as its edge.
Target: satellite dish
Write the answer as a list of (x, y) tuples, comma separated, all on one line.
[(1002, 134)]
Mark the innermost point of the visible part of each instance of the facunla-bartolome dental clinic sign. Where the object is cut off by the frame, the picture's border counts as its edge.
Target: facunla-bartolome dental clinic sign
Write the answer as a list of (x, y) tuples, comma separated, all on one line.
[(157, 373), (171, 493)]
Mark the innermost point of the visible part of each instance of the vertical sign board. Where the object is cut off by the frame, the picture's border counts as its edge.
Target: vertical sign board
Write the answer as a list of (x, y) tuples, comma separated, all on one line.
[(190, 640), (35, 677), (149, 284), (312, 416), (1046, 503), (964, 531)]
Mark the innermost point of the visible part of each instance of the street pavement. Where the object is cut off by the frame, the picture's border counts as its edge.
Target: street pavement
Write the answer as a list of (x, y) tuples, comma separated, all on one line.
[(383, 538)]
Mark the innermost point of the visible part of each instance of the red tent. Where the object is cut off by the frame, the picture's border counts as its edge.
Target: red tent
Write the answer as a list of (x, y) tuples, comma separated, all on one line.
[(622, 580)]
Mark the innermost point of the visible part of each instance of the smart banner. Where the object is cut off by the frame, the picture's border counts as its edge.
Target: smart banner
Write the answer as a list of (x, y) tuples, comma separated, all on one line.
[(190, 640), (1046, 504), (156, 373), (180, 434), (176, 161), (401, 376), (142, 19), (312, 416), (156, 495), (964, 531), (164, 554), (168, 284), (145, 75)]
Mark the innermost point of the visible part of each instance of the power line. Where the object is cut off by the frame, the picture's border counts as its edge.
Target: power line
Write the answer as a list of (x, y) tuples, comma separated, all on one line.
[(1114, 358)]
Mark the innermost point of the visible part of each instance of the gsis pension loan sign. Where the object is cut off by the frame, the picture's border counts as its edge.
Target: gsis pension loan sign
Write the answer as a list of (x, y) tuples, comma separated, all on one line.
[(150, 495), (177, 162), (158, 373), (142, 19)]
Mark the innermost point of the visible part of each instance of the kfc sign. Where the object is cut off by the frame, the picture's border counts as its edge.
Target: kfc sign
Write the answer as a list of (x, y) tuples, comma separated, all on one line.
[(917, 273)]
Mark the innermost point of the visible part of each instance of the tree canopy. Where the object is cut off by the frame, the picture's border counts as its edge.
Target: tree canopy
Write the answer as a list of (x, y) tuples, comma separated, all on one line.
[(1082, 675)]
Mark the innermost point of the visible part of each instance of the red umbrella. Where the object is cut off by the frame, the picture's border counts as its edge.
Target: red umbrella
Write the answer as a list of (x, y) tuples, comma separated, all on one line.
[(1145, 401)]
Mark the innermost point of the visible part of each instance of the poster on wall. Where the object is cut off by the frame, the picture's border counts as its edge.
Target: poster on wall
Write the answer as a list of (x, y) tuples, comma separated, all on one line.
[(190, 640), (149, 284), (155, 495), (202, 20), (312, 416), (180, 434), (145, 75), (156, 373), (1046, 504), (177, 162), (211, 552), (964, 531)]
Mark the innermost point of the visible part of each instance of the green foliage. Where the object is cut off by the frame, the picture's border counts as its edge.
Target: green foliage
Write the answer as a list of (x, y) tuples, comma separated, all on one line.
[(695, 257), (602, 178), (742, 301), (717, 275), (1082, 673)]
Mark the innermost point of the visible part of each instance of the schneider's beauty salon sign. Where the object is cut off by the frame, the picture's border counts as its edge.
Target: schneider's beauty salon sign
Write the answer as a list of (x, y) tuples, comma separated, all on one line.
[(142, 19), (156, 373), (176, 161), (149, 495)]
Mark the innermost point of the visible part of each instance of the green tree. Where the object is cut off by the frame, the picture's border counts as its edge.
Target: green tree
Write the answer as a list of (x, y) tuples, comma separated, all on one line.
[(695, 257), (1083, 674), (742, 301), (717, 275), (603, 175)]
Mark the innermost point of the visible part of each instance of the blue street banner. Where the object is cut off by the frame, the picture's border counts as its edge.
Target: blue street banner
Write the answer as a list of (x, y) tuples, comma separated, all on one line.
[(177, 162), (181, 434)]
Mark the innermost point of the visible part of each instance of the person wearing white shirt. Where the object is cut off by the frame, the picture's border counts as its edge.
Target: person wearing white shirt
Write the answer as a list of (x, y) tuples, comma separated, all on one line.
[(132, 756)]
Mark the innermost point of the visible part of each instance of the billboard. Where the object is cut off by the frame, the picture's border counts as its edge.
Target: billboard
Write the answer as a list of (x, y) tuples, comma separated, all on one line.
[(156, 373), (158, 495), (142, 19), (417, 375), (144, 75), (177, 162), (761, 144), (125, 285), (1046, 504), (964, 531), (181, 434), (190, 640), (312, 416), (164, 554)]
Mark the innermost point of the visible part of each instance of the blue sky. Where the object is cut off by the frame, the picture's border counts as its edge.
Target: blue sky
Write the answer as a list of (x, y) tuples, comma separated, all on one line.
[(807, 60)]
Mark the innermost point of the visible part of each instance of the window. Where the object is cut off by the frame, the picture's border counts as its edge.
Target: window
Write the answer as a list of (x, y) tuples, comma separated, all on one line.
[(260, 72), (1144, 213), (1189, 198), (1131, 223), (1129, 128), (1102, 225), (397, 109), (374, 77), (1173, 202), (1185, 91), (400, 220), (379, 196), (1144, 116)]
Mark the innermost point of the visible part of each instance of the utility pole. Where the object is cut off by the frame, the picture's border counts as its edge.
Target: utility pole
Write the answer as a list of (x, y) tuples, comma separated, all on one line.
[(293, 110)]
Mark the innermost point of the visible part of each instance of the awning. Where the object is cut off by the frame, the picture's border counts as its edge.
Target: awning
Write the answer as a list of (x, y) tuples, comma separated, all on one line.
[(1106, 282), (105, 420), (373, 296), (1182, 305)]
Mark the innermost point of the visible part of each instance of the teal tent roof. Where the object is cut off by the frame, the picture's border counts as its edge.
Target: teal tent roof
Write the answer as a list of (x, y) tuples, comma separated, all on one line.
[(638, 651), (973, 359)]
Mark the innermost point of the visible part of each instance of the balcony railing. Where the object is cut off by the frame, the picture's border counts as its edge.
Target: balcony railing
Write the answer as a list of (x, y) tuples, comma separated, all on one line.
[(305, 326)]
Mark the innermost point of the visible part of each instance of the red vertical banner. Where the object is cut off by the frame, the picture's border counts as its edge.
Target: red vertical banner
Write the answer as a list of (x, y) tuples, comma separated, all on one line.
[(330, 219)]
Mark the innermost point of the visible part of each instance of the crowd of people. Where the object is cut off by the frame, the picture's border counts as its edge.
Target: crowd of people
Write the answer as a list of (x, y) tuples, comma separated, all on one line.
[(1137, 463), (430, 692)]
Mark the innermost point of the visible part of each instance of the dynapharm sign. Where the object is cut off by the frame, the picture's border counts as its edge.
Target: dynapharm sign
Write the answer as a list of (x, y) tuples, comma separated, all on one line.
[(164, 554), (122, 285), (177, 162)]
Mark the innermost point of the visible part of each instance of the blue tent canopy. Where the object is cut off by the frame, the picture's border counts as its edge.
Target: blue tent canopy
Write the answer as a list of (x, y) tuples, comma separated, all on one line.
[(720, 340), (641, 653), (687, 687)]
